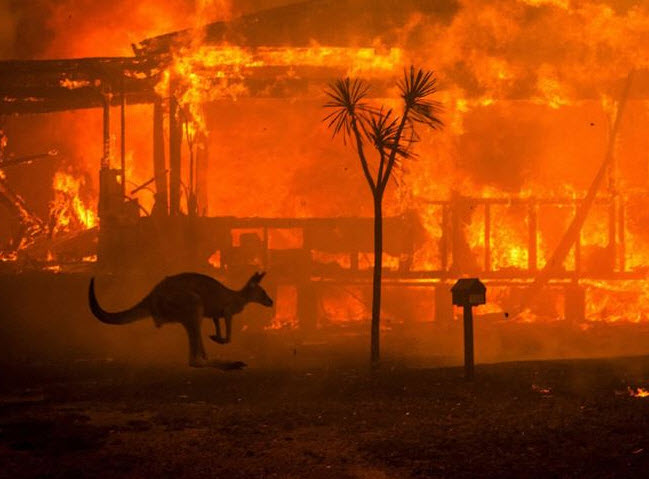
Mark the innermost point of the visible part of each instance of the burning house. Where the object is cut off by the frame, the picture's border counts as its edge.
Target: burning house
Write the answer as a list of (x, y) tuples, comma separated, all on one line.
[(204, 149)]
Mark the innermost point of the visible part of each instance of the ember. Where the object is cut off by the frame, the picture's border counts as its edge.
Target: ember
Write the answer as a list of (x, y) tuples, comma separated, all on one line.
[(638, 392)]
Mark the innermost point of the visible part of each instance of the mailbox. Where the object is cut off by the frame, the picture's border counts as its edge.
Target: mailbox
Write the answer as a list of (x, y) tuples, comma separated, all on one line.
[(469, 292)]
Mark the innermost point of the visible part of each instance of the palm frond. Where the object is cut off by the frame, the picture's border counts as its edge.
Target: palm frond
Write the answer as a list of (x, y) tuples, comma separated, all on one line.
[(416, 87), (347, 100), (383, 131)]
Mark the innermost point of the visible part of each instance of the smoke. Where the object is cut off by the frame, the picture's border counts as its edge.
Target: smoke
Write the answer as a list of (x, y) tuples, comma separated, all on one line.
[(86, 28), (212, 11), (7, 30)]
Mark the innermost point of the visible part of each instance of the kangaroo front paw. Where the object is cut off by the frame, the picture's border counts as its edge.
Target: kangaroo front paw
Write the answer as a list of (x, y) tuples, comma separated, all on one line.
[(218, 339)]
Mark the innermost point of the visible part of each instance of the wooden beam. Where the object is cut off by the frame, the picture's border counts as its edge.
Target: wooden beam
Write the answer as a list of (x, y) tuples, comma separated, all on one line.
[(175, 148), (159, 167)]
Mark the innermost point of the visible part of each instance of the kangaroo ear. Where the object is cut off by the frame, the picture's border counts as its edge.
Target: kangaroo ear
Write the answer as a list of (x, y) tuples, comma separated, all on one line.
[(257, 277)]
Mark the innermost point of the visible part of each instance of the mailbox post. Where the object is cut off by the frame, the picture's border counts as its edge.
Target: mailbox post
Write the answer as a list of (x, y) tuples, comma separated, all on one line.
[(468, 292)]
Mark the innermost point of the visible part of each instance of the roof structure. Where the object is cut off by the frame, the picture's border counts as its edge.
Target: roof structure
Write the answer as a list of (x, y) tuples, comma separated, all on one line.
[(41, 86), (335, 23)]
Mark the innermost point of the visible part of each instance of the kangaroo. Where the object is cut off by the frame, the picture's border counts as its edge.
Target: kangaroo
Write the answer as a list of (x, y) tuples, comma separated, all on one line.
[(186, 298)]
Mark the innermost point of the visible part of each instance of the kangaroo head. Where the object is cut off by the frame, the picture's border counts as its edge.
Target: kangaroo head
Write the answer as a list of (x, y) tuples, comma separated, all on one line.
[(254, 293)]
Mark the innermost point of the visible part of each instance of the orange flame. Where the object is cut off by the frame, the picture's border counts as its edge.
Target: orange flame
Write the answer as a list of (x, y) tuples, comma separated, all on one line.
[(68, 211), (638, 392)]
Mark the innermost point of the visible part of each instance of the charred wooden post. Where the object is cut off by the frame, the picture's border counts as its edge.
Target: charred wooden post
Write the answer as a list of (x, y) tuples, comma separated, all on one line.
[(468, 343), (123, 139), (175, 148), (160, 170), (105, 159), (468, 292), (202, 159), (105, 183)]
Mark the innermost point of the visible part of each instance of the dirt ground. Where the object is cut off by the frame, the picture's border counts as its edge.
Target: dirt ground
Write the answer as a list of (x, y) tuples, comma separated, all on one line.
[(569, 418)]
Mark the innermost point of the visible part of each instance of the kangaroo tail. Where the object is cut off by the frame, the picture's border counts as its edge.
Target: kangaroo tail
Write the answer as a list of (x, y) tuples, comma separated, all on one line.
[(138, 311)]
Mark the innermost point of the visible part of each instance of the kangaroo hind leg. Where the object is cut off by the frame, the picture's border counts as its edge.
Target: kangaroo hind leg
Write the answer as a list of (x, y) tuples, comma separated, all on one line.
[(218, 337), (191, 320)]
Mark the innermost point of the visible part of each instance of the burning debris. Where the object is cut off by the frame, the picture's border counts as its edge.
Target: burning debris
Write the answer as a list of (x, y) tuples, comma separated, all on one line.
[(35, 239), (68, 212), (638, 392), (541, 390)]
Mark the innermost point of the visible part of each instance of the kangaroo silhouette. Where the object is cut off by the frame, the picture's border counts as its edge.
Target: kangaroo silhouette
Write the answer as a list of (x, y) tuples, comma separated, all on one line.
[(186, 299)]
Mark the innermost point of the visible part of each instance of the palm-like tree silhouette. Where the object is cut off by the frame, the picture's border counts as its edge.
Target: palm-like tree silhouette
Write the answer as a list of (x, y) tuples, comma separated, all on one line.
[(392, 136)]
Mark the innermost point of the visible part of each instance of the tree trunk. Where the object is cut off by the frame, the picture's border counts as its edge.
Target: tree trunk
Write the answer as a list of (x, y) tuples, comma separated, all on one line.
[(376, 284)]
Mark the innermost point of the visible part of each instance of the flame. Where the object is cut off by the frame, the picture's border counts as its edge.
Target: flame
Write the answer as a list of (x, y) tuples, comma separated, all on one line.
[(285, 308), (68, 211), (73, 84), (200, 74), (192, 88), (215, 259), (528, 88), (563, 4), (638, 392)]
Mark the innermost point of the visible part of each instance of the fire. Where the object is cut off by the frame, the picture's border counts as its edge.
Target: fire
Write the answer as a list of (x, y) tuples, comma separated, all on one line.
[(285, 309), (541, 390), (638, 392), (73, 84), (529, 92), (68, 212), (215, 260), (552, 92), (563, 4), (205, 73)]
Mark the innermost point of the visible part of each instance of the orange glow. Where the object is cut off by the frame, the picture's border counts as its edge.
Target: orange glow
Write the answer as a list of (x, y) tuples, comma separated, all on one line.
[(530, 89), (285, 308), (638, 392), (201, 73), (68, 211), (73, 84), (215, 260)]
